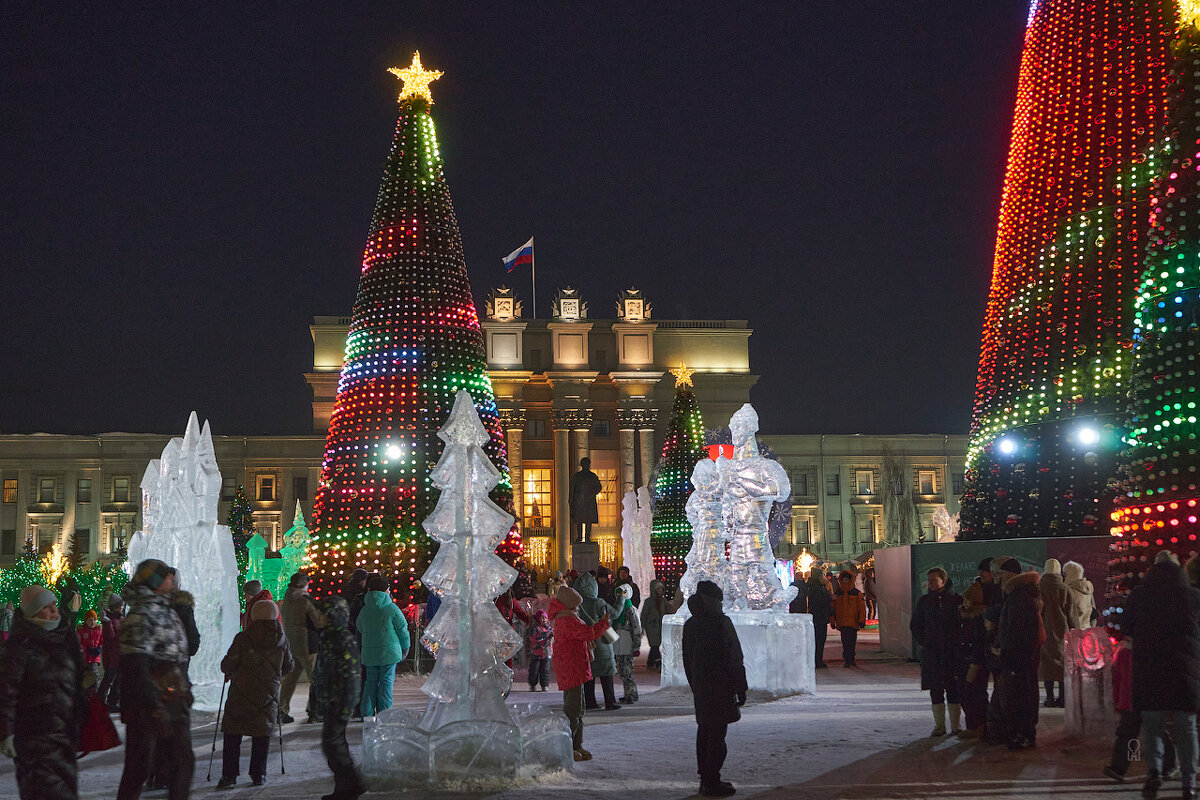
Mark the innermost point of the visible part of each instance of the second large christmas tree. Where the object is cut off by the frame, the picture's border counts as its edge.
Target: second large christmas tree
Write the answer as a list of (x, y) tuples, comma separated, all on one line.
[(414, 341)]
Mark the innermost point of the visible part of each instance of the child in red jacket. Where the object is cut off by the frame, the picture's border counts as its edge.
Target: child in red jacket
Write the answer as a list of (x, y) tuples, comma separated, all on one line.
[(572, 661), (90, 640)]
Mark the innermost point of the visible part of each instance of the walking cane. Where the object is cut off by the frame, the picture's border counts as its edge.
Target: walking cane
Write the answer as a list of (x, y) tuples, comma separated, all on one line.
[(216, 728), (282, 769)]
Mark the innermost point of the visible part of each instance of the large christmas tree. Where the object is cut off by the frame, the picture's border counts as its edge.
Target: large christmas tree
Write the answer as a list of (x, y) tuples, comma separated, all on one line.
[(1157, 505), (414, 341), (671, 533), (1055, 358)]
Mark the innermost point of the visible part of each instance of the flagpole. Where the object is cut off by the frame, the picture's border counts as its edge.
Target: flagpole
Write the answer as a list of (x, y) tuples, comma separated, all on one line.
[(533, 274)]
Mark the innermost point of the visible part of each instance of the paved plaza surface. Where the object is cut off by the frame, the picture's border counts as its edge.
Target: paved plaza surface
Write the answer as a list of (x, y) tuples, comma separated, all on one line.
[(864, 736)]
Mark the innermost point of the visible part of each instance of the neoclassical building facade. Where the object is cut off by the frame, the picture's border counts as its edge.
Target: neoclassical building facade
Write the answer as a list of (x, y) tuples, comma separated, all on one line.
[(568, 387)]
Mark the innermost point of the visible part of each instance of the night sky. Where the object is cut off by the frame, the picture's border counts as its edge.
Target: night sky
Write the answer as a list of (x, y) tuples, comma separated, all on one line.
[(184, 186)]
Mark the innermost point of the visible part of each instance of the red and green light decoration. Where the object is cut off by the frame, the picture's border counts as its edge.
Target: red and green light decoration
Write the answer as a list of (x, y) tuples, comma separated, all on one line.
[(414, 341), (671, 533), (1158, 506), (1058, 330)]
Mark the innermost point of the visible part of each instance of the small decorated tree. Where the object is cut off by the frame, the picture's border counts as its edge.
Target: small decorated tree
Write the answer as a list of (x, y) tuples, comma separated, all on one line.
[(472, 641), (671, 537), (241, 526)]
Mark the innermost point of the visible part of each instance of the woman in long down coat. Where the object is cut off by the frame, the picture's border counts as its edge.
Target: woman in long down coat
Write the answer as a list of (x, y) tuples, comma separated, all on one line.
[(936, 627), (1054, 619), (1080, 594), (256, 663), (604, 666), (40, 701)]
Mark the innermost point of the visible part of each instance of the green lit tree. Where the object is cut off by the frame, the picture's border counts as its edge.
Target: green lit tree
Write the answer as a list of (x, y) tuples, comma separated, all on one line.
[(1158, 499), (671, 533)]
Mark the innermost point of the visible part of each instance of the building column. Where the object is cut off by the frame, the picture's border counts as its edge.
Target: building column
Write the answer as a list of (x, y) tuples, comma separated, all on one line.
[(513, 422), (562, 499), (627, 461), (646, 447)]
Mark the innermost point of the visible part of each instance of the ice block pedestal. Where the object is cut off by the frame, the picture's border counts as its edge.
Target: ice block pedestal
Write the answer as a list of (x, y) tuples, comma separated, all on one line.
[(1087, 688), (777, 649)]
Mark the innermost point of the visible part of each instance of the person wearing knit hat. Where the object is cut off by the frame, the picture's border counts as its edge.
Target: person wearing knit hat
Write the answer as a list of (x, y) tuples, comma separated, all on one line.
[(256, 662), (712, 662), (155, 697), (572, 662), (937, 628), (1020, 636), (383, 631), (301, 620), (254, 592), (39, 683), (1055, 603)]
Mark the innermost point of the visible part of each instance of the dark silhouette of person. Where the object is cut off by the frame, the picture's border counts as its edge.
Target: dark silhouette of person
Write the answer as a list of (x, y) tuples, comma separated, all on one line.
[(584, 510)]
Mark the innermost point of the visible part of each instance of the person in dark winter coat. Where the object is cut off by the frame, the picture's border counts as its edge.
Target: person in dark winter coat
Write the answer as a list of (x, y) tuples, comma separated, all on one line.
[(604, 665), (355, 593), (572, 665), (41, 705), (981, 595), (817, 601), (184, 606), (299, 616), (1056, 602), (1162, 616), (336, 687), (253, 591), (935, 626), (849, 616), (712, 661), (110, 687), (1129, 726), (997, 728), (1020, 637), (604, 586), (256, 662), (652, 616), (156, 697)]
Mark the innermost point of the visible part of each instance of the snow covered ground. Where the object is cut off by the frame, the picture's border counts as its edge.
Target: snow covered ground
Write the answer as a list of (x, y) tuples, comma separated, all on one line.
[(864, 736)]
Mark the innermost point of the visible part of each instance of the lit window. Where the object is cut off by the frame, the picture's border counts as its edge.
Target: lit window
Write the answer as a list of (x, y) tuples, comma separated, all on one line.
[(120, 490), (927, 481), (46, 490), (83, 490), (862, 482), (10, 490), (538, 510), (608, 502)]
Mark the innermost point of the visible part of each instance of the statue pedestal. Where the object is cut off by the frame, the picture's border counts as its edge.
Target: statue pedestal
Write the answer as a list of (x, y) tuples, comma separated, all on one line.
[(777, 649), (585, 556)]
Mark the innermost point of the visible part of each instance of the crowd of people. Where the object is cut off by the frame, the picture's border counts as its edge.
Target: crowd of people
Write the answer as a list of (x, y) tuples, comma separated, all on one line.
[(1009, 625)]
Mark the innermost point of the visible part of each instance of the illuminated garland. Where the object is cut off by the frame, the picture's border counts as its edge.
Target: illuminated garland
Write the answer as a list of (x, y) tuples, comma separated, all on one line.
[(414, 341), (1157, 507), (1058, 329), (671, 533), (96, 581)]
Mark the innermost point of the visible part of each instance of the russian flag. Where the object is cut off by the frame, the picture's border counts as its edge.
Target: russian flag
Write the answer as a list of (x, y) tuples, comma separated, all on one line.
[(520, 257)]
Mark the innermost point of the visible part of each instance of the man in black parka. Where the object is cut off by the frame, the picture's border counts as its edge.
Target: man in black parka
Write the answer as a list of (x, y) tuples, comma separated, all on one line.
[(712, 660)]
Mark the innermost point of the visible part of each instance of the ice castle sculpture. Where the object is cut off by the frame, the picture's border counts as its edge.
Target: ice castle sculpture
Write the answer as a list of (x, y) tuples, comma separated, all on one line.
[(636, 523), (729, 510), (180, 494), (467, 732)]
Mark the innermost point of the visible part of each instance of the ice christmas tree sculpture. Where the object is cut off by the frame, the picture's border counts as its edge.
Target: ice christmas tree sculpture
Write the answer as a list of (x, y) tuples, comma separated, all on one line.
[(671, 537), (1157, 507), (414, 341), (1055, 354), (472, 641)]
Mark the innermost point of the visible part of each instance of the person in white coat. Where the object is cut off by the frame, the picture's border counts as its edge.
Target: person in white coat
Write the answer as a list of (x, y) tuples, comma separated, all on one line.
[(1081, 601)]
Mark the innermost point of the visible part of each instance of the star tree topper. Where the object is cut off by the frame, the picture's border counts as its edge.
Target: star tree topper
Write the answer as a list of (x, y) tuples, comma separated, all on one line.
[(415, 80), (1189, 13), (683, 375)]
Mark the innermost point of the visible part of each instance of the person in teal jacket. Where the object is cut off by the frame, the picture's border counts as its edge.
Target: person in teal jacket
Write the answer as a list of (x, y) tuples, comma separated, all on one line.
[(384, 633)]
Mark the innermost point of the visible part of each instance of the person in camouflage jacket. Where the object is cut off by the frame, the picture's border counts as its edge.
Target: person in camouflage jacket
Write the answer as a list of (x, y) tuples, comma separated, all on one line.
[(336, 688)]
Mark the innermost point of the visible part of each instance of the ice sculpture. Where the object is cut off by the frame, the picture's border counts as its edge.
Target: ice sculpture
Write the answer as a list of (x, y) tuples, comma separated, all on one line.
[(1088, 695), (754, 485), (946, 524), (295, 548), (180, 494), (731, 504), (467, 731), (635, 535), (706, 560)]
